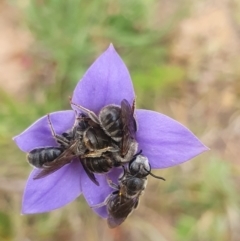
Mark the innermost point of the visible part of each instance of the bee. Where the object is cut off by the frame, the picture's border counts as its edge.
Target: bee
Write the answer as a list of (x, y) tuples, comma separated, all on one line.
[(39, 156), (99, 157), (96, 141), (85, 141), (52, 158), (119, 123), (130, 187)]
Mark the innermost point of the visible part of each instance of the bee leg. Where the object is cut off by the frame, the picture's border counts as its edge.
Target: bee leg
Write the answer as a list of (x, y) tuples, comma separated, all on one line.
[(89, 173), (124, 173), (133, 105), (104, 203), (90, 113), (59, 139), (131, 152), (111, 183), (98, 153)]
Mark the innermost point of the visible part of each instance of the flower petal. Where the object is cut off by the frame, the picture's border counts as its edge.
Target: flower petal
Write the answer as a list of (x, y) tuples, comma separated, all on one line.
[(106, 82), (53, 191), (97, 194), (39, 133), (165, 141)]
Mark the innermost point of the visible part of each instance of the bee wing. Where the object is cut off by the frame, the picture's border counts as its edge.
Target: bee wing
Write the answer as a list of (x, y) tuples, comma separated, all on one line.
[(51, 167), (114, 222), (90, 174), (129, 125), (122, 211)]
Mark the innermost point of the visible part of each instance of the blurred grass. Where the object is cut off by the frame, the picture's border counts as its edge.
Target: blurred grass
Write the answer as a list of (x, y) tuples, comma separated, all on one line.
[(199, 201)]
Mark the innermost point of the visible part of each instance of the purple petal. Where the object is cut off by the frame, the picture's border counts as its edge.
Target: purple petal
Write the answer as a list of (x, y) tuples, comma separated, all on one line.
[(53, 191), (165, 141), (39, 133), (97, 194), (106, 82)]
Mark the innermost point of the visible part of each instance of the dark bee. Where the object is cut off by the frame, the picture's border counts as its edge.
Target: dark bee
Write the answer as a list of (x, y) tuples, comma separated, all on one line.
[(119, 123), (97, 142), (100, 148), (38, 157), (130, 187), (70, 144), (86, 141)]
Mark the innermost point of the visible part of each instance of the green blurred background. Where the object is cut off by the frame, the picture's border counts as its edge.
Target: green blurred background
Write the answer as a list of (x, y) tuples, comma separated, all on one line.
[(183, 56)]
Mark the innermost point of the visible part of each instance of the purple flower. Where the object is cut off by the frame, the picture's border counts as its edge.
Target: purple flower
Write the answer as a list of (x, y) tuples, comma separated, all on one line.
[(163, 140)]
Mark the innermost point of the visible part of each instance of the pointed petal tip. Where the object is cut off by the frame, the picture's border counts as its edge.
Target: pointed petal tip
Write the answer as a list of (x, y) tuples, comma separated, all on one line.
[(24, 212), (39, 133), (166, 142), (16, 138), (103, 79), (111, 47), (203, 147), (206, 148)]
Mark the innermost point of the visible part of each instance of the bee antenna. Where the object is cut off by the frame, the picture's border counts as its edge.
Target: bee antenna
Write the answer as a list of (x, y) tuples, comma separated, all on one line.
[(134, 157), (157, 176), (149, 173), (138, 153), (124, 172)]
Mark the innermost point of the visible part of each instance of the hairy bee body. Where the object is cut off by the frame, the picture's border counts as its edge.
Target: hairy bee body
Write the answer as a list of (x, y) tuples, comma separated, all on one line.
[(118, 122), (85, 141), (102, 164), (111, 122), (38, 157), (100, 143), (130, 187)]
